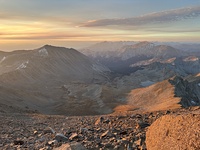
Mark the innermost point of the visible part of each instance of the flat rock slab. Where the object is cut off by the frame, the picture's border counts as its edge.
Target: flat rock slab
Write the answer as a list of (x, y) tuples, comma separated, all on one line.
[(172, 132)]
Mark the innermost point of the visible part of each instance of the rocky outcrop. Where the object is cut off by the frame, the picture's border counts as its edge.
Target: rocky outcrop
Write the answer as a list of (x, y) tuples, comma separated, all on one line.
[(172, 132), (187, 90)]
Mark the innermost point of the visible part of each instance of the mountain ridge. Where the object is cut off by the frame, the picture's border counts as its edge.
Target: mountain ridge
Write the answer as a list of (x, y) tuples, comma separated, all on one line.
[(34, 79)]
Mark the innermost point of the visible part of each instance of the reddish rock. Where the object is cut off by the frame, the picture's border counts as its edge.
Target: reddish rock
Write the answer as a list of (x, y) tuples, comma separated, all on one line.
[(172, 132)]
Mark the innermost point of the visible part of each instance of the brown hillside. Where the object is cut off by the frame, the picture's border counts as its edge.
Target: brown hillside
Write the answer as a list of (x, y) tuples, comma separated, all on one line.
[(159, 96)]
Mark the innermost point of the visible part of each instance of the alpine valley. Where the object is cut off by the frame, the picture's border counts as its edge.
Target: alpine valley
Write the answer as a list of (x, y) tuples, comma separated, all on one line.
[(129, 84)]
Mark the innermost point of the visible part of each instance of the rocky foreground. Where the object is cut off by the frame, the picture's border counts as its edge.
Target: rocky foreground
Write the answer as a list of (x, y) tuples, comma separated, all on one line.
[(119, 131)]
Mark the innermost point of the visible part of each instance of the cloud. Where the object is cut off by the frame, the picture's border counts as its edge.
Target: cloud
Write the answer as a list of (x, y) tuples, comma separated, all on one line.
[(153, 18), (175, 30)]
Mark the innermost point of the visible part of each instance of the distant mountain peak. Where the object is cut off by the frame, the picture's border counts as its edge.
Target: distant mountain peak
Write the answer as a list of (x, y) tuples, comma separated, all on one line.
[(50, 46), (144, 43), (165, 47), (138, 45)]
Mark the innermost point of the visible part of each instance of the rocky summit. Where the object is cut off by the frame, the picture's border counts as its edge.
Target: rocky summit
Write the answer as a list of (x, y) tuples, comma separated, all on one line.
[(99, 75)]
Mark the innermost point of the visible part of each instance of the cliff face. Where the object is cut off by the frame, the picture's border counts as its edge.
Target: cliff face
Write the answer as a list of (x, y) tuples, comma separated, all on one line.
[(188, 89)]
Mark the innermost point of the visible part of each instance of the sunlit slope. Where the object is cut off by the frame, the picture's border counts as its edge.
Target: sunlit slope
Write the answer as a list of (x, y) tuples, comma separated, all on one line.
[(168, 94)]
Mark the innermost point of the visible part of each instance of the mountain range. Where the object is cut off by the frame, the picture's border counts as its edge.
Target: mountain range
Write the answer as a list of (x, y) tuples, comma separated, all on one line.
[(128, 57), (113, 77)]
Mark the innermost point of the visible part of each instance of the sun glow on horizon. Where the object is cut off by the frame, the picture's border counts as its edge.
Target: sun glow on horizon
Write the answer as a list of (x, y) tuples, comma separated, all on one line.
[(23, 27)]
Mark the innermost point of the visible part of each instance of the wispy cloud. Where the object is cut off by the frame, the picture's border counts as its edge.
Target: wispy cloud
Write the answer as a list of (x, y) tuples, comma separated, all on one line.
[(174, 31), (153, 18), (8, 16)]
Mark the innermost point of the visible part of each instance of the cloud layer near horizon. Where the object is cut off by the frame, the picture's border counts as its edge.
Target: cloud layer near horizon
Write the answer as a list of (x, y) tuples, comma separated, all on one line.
[(153, 18)]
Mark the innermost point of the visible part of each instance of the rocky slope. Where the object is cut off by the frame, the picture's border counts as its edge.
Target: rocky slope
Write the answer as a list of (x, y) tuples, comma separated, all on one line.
[(49, 62), (187, 89), (159, 96), (119, 131), (168, 94)]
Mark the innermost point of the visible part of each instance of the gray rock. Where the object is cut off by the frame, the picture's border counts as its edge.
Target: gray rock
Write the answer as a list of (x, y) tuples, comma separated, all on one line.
[(42, 139), (60, 137), (143, 124), (83, 130), (49, 130)]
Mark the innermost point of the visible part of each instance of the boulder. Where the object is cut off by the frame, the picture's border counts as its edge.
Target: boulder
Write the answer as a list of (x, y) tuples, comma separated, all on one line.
[(174, 132), (60, 137)]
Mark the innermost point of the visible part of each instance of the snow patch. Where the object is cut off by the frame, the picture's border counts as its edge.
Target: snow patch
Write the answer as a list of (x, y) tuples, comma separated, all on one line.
[(43, 52), (2, 59), (193, 102), (23, 65)]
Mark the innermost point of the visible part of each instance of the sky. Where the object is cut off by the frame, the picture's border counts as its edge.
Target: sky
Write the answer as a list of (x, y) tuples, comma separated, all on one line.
[(28, 24)]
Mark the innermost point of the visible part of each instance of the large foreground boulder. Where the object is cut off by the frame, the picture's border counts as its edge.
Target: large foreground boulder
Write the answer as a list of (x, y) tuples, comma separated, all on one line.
[(172, 132)]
